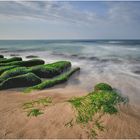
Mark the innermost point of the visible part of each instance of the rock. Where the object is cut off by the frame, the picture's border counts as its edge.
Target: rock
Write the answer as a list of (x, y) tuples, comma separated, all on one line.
[(10, 60), (31, 56), (52, 82), (13, 72), (24, 80), (1, 56), (5, 68), (51, 70), (48, 70), (28, 63)]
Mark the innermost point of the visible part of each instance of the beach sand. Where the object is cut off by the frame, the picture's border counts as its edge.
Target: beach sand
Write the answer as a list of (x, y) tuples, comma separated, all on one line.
[(14, 122)]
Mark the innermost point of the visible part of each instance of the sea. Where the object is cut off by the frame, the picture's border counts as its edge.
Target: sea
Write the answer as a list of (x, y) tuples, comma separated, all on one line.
[(116, 62)]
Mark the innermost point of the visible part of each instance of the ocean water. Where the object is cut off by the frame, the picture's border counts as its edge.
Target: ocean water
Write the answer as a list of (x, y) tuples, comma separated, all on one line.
[(116, 62)]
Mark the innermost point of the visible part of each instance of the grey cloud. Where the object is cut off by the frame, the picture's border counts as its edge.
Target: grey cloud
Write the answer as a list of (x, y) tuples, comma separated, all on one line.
[(121, 19), (52, 10), (45, 10)]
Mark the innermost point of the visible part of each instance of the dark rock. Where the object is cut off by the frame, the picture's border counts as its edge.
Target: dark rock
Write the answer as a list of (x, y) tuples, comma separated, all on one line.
[(31, 56), (1, 56)]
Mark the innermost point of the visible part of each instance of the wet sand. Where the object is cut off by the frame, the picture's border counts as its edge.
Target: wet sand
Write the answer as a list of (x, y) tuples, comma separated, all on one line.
[(14, 122)]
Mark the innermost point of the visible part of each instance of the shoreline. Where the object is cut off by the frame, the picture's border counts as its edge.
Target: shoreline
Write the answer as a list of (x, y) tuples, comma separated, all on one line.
[(51, 124)]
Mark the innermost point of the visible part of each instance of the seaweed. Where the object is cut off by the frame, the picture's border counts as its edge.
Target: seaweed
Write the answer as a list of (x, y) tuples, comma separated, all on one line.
[(102, 86), (97, 101), (32, 107), (34, 112)]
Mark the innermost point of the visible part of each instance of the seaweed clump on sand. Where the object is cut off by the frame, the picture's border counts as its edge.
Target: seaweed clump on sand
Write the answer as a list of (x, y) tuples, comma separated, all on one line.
[(29, 73), (36, 107), (102, 86), (103, 100)]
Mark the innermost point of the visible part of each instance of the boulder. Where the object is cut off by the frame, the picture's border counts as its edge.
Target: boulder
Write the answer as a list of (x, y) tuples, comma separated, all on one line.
[(52, 82), (13, 72), (51, 70), (10, 60), (1, 56), (24, 80), (28, 63), (5, 68)]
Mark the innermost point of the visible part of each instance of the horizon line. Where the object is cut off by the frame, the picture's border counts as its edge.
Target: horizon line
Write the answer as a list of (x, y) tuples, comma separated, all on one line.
[(70, 39)]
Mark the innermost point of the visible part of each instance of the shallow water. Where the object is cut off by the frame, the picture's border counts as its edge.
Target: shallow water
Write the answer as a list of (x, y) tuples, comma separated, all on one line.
[(114, 61)]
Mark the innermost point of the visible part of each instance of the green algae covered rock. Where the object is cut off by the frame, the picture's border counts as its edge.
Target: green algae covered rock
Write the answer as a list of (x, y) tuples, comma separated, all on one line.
[(28, 63), (2, 59), (5, 68), (51, 70), (10, 60), (52, 82), (24, 80), (13, 72), (103, 86), (43, 71)]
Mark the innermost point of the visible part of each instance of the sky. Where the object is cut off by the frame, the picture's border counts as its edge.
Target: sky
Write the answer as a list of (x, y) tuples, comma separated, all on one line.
[(69, 20)]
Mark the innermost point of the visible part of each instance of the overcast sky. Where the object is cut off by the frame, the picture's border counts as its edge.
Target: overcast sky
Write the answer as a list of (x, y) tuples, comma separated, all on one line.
[(69, 20)]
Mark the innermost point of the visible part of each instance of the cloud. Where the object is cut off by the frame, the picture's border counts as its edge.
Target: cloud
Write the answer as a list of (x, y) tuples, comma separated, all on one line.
[(45, 10), (124, 11), (121, 19), (57, 10)]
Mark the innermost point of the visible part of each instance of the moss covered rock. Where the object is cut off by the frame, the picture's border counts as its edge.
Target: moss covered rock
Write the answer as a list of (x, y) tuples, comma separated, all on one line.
[(52, 82), (43, 71), (24, 80), (28, 63), (103, 86), (2, 59), (5, 68), (51, 70), (10, 60), (13, 72)]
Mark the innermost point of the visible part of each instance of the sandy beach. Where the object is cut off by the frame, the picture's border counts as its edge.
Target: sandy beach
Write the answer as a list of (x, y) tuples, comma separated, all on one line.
[(52, 124)]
